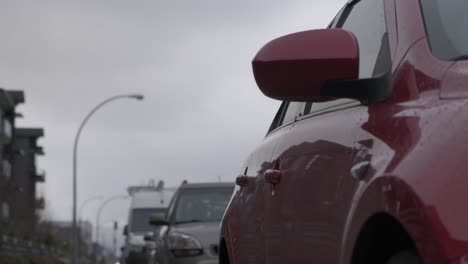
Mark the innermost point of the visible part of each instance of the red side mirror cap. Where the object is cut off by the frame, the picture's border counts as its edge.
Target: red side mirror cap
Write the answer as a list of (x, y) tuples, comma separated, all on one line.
[(297, 66)]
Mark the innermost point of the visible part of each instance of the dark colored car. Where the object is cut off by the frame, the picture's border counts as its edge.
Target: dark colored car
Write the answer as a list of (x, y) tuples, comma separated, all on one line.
[(365, 161), (190, 232)]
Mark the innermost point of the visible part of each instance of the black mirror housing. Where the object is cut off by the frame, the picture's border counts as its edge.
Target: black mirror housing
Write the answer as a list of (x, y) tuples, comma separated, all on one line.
[(158, 221)]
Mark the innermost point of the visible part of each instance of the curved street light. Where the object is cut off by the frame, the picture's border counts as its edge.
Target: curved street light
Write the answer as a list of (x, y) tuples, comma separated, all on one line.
[(86, 202), (80, 215), (75, 243), (103, 205)]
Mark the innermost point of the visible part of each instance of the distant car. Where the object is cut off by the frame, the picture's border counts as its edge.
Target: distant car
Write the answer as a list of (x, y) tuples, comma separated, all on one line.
[(190, 231), (146, 201), (365, 160)]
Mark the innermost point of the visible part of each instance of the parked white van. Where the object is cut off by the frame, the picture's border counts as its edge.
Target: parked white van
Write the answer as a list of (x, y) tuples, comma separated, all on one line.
[(145, 202)]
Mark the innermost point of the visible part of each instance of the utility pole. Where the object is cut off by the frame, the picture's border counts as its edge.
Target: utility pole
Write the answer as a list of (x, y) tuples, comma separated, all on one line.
[(74, 242), (116, 226)]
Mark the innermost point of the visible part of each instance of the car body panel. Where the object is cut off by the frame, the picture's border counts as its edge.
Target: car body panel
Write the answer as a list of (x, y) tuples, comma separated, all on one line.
[(249, 202), (310, 204), (206, 233), (455, 80), (414, 144)]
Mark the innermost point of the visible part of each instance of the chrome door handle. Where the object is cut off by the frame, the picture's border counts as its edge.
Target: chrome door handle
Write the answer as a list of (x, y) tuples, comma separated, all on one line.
[(242, 180), (272, 176), (359, 170)]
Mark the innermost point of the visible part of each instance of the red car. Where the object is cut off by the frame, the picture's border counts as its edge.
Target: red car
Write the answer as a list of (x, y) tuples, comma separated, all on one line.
[(365, 161)]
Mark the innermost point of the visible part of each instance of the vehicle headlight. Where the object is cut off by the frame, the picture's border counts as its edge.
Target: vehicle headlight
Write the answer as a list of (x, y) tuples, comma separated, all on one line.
[(182, 245)]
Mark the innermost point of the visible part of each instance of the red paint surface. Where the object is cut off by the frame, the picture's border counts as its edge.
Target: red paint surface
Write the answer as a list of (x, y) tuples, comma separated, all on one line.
[(416, 145), (332, 54)]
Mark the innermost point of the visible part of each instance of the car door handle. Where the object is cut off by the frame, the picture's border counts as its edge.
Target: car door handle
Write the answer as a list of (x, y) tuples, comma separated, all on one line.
[(272, 176), (242, 180)]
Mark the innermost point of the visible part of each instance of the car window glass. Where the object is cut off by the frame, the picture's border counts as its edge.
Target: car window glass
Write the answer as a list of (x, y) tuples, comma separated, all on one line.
[(170, 209), (290, 113), (447, 25), (202, 205), (337, 18), (313, 107), (277, 120), (367, 21)]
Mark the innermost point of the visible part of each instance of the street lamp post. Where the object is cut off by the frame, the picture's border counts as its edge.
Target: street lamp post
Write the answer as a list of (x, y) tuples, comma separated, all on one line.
[(80, 215), (75, 151), (98, 214)]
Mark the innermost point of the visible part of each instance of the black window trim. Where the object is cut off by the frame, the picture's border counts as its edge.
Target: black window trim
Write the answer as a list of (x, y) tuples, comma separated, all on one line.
[(346, 11), (278, 120), (331, 109), (278, 117)]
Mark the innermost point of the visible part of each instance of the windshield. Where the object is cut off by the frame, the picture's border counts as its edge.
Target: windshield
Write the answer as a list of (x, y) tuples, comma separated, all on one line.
[(202, 205), (140, 219), (446, 25)]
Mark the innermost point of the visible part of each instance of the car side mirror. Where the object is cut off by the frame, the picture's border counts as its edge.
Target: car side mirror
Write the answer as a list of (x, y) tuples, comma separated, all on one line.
[(125, 230), (156, 220), (296, 67), (149, 237), (316, 65)]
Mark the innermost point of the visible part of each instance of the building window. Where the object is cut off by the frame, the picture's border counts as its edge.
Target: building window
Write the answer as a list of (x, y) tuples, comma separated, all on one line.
[(6, 169), (5, 211)]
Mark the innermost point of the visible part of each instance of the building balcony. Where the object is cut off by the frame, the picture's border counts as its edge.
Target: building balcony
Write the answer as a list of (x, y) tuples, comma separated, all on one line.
[(40, 177), (39, 150), (40, 203)]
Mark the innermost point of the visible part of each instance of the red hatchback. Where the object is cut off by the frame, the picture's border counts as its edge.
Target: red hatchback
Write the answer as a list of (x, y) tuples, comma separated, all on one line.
[(365, 161)]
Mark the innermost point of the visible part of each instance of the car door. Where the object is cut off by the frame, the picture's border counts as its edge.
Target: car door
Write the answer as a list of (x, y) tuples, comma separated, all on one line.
[(248, 206), (311, 180), (314, 162)]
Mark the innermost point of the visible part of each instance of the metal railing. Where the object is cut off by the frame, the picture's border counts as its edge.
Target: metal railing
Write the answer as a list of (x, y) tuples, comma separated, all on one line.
[(10, 244)]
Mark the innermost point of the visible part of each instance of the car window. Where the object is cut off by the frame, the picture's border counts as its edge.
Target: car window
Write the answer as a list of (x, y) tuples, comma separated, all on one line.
[(366, 19), (313, 107), (337, 18), (170, 209), (202, 205), (286, 114), (447, 25), (291, 112), (278, 117)]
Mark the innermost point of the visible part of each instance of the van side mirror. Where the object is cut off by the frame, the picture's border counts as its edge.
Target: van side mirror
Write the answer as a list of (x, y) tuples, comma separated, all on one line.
[(149, 237), (156, 220), (125, 230)]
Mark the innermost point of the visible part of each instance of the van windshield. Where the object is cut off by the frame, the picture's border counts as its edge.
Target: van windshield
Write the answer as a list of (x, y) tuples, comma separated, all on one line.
[(202, 205), (141, 216)]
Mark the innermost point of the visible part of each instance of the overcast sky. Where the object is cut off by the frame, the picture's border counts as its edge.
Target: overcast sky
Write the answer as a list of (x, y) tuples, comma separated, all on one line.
[(202, 114)]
